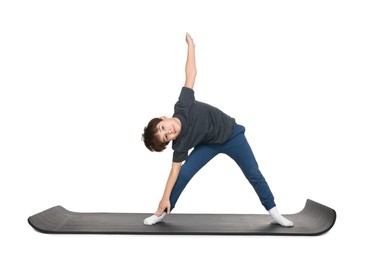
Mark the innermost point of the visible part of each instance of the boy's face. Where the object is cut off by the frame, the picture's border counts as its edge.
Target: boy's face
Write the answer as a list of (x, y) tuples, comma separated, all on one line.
[(168, 129)]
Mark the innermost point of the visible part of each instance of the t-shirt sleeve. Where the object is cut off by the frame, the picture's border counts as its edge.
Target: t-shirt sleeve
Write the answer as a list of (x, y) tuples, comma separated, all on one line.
[(179, 156), (186, 96)]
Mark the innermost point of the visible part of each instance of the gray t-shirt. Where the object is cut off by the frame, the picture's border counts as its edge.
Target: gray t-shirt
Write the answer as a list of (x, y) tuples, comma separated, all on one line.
[(201, 124)]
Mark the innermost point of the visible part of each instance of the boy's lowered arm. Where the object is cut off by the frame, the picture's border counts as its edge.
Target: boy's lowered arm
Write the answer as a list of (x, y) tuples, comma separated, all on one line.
[(191, 70), (165, 201)]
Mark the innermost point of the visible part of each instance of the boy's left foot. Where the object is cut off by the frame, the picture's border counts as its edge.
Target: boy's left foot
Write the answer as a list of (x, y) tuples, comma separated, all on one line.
[(279, 219), (152, 220)]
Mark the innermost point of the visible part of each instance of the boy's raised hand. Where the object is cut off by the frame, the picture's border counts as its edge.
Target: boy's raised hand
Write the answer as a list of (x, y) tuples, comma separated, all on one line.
[(189, 40)]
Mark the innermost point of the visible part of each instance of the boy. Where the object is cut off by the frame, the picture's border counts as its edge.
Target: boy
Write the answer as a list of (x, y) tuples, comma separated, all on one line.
[(209, 131)]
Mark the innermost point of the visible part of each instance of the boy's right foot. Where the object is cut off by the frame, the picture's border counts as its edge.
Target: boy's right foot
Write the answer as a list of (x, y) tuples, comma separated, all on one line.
[(279, 219), (152, 220)]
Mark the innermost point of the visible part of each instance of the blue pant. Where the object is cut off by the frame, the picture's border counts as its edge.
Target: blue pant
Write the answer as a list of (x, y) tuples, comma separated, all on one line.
[(239, 150)]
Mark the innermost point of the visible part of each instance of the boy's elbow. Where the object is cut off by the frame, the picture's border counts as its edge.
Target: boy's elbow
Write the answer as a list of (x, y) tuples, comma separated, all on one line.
[(191, 74)]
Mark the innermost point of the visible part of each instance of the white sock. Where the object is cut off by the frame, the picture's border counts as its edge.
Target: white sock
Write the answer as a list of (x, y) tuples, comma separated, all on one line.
[(279, 219), (154, 219)]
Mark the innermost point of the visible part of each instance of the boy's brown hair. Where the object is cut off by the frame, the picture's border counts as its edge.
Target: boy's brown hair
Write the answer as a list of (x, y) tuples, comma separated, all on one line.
[(150, 137)]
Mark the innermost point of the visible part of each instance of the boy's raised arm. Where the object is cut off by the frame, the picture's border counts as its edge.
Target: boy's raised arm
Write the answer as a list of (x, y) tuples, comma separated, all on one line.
[(191, 70)]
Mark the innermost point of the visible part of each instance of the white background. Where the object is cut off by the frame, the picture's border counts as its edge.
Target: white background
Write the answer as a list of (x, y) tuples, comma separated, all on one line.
[(80, 79)]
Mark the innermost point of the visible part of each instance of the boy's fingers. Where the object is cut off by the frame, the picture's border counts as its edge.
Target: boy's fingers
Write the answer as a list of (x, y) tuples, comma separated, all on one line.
[(158, 213)]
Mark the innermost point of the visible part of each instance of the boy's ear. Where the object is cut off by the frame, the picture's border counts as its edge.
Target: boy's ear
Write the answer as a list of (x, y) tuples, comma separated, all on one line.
[(163, 117)]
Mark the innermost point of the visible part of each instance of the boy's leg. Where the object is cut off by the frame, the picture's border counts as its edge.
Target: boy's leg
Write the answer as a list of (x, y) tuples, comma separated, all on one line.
[(239, 150), (200, 155)]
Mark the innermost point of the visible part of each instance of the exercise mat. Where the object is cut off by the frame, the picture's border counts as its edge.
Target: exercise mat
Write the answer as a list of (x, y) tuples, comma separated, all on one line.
[(314, 219)]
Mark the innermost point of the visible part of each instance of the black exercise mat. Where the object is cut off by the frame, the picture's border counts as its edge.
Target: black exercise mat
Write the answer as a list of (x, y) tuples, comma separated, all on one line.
[(314, 219)]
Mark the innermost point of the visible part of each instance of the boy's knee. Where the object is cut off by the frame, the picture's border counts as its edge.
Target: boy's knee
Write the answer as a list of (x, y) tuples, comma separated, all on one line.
[(253, 174), (183, 177)]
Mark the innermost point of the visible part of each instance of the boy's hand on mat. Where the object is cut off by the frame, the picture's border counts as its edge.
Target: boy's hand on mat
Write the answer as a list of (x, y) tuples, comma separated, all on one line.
[(164, 204)]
